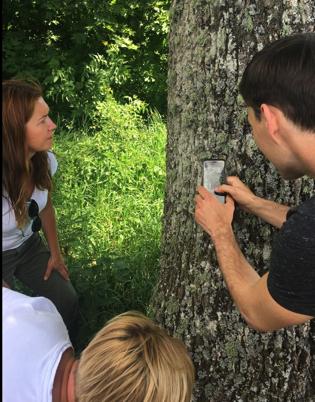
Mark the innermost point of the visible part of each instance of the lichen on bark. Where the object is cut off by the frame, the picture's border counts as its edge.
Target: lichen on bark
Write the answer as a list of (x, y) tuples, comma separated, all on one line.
[(211, 41)]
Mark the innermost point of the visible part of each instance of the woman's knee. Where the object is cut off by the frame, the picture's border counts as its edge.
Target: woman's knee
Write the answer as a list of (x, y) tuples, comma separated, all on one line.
[(68, 304)]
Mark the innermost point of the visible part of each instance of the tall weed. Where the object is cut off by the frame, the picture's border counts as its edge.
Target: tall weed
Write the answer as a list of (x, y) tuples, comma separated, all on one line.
[(108, 196)]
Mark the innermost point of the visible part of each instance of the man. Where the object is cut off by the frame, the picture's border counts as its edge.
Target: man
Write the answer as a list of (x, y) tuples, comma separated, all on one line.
[(130, 359), (278, 86)]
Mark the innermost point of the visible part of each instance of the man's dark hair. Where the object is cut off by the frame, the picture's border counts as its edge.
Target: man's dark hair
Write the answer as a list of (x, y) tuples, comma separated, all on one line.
[(283, 75)]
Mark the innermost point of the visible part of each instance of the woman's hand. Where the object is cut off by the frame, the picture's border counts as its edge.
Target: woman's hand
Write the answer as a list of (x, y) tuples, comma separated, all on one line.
[(56, 262)]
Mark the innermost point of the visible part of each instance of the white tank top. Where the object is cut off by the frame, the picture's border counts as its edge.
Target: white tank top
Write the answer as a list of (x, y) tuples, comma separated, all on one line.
[(34, 339)]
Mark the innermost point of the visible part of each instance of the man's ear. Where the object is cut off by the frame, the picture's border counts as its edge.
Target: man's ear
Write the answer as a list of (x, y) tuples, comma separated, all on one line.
[(270, 117)]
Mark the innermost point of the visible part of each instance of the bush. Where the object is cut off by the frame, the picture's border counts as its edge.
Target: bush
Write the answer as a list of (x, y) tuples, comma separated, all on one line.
[(56, 41), (108, 197)]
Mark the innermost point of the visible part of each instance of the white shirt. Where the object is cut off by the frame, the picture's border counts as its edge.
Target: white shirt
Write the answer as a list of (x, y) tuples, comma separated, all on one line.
[(12, 236), (34, 339)]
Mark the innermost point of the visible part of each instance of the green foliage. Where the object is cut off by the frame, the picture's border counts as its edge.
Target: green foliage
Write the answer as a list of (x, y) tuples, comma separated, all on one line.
[(110, 183), (108, 195), (60, 44), (79, 96)]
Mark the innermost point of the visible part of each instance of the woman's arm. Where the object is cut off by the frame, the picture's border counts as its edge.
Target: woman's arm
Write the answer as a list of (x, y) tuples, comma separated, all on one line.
[(56, 261)]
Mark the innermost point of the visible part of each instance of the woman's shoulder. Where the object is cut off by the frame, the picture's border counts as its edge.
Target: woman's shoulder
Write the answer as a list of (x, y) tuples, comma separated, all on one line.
[(52, 162)]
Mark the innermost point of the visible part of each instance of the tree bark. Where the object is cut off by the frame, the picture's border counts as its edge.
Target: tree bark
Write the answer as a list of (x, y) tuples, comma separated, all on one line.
[(211, 41)]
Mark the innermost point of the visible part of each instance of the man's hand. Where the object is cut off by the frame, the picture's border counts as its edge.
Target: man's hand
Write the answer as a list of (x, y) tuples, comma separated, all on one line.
[(214, 217), (269, 211), (56, 262), (240, 193)]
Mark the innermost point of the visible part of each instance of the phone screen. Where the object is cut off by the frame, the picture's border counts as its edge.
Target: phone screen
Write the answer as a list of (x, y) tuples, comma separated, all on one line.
[(213, 176)]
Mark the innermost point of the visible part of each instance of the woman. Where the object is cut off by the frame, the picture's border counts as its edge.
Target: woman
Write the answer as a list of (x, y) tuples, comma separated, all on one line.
[(28, 167)]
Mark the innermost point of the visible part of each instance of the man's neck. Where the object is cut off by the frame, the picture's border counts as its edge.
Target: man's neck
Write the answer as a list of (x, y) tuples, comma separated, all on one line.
[(307, 153), (64, 383), (302, 146)]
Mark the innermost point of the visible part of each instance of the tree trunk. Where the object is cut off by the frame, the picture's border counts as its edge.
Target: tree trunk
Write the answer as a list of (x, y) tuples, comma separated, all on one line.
[(211, 42)]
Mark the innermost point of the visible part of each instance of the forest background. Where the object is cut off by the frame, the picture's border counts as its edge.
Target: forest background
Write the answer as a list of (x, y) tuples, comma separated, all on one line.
[(103, 68)]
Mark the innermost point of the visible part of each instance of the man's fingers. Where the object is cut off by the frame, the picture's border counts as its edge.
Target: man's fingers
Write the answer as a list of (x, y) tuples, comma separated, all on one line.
[(197, 198), (229, 202), (204, 193), (233, 180), (225, 188)]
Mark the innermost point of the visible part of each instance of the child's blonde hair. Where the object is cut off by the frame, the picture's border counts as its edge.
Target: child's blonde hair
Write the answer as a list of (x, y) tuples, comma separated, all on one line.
[(133, 360)]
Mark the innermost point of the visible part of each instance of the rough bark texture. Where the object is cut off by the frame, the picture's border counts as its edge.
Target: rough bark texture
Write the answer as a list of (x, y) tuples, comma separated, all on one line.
[(211, 41)]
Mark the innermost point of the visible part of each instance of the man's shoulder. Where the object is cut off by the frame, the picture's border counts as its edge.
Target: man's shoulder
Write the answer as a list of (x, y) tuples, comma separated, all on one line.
[(15, 300), (39, 312), (297, 235), (308, 207), (306, 210), (291, 277), (34, 338), (37, 319)]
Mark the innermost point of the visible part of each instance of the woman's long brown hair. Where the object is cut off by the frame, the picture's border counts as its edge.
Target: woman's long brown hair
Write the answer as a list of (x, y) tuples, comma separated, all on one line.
[(18, 102)]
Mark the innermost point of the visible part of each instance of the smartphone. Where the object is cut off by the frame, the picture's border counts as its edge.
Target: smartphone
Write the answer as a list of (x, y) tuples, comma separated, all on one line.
[(214, 176)]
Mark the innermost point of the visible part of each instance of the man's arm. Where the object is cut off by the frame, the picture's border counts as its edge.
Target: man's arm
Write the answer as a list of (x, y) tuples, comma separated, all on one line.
[(248, 290), (269, 211)]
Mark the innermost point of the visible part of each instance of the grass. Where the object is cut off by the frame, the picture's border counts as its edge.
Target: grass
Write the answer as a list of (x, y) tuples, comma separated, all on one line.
[(108, 196)]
